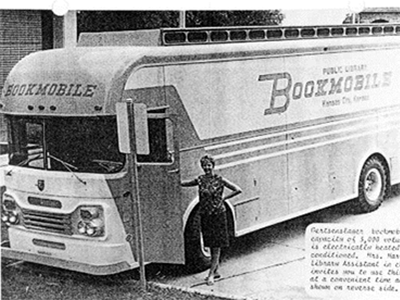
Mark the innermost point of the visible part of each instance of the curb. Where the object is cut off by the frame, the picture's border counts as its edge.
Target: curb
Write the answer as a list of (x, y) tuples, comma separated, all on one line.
[(194, 291)]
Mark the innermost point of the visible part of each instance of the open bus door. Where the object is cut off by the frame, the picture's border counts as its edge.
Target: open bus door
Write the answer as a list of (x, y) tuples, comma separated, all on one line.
[(156, 180)]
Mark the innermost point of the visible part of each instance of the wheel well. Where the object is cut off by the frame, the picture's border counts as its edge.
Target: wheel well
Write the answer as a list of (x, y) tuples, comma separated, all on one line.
[(383, 160), (229, 215)]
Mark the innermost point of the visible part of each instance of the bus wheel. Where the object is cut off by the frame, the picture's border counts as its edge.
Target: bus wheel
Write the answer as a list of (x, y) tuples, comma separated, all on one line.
[(198, 257), (372, 187)]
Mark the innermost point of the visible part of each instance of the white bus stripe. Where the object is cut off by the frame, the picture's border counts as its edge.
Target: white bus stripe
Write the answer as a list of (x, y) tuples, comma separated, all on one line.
[(288, 142), (270, 155), (297, 130)]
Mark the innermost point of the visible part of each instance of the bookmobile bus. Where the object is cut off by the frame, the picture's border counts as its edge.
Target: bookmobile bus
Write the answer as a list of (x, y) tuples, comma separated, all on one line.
[(301, 118)]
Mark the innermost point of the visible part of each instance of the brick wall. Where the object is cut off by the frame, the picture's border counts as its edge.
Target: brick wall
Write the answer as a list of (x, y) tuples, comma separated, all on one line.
[(380, 14), (20, 34)]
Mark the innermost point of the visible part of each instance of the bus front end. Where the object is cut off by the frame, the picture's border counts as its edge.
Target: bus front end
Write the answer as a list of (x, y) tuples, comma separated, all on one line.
[(61, 187)]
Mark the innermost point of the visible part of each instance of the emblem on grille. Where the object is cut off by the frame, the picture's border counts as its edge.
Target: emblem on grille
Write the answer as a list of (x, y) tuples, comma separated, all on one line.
[(40, 184)]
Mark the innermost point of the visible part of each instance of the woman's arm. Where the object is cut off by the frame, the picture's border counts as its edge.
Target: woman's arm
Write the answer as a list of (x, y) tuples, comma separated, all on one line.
[(236, 190), (193, 182)]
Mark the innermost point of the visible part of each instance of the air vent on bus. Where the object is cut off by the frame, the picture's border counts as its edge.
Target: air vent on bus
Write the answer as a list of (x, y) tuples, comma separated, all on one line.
[(46, 221), (44, 202), (193, 36)]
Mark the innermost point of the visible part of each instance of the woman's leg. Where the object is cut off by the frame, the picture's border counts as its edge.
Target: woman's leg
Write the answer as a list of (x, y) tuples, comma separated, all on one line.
[(215, 254)]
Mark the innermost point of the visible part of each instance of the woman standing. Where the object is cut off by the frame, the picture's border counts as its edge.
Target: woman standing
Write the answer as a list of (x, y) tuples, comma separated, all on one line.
[(212, 211)]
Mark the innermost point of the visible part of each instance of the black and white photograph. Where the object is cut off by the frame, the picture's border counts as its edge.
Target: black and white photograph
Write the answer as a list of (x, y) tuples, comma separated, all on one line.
[(206, 151)]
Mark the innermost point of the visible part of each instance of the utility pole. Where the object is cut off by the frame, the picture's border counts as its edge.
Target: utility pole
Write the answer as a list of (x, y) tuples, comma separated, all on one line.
[(355, 7), (131, 117), (65, 26)]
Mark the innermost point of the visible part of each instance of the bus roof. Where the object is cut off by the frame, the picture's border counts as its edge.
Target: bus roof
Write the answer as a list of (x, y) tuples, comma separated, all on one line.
[(87, 81), (76, 81)]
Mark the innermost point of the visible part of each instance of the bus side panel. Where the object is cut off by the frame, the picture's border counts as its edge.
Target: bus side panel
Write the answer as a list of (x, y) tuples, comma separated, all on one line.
[(264, 191), (323, 175), (310, 117), (354, 92)]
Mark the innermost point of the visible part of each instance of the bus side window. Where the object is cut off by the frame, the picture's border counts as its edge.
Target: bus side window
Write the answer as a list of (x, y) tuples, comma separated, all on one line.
[(160, 140)]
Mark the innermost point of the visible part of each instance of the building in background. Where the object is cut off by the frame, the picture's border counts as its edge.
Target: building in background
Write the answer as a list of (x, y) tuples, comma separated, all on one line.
[(380, 15), (22, 32), (375, 15)]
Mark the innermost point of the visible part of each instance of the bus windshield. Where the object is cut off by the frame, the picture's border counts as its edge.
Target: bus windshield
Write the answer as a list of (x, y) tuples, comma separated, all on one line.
[(73, 144)]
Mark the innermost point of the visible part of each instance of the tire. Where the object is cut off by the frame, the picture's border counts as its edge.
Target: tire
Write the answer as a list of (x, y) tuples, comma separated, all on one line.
[(198, 258), (372, 186)]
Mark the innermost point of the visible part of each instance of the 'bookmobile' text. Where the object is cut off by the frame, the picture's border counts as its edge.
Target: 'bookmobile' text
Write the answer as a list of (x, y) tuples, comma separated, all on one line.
[(320, 87)]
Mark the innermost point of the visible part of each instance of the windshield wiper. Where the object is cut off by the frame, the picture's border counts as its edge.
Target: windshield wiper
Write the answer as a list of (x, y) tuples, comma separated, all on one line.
[(68, 167), (28, 160), (24, 162)]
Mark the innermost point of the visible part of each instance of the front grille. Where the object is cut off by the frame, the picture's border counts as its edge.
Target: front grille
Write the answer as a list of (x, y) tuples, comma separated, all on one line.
[(45, 221)]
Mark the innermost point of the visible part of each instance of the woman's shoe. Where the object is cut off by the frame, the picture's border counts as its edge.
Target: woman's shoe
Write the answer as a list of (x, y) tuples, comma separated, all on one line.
[(210, 280)]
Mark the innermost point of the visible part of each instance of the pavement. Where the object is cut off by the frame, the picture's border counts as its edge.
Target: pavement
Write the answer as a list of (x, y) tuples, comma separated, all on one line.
[(274, 271)]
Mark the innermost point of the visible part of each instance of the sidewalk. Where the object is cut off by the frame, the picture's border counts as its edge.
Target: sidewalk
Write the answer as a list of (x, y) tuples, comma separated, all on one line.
[(276, 271)]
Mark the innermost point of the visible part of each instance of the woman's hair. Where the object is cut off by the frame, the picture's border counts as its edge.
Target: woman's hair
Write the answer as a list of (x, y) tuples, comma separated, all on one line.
[(205, 159)]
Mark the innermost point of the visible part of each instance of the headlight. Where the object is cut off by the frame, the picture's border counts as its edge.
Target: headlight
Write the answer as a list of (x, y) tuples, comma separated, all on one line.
[(13, 218), (9, 204), (9, 214), (90, 213), (90, 221)]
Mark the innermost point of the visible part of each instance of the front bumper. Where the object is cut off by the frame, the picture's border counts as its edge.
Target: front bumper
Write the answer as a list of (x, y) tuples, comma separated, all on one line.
[(65, 264)]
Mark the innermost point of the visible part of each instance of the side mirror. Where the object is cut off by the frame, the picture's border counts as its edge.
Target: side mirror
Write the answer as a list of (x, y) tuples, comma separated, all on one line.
[(139, 111)]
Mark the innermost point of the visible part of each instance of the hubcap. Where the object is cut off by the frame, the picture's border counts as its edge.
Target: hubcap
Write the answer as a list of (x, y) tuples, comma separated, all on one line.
[(373, 186)]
